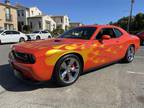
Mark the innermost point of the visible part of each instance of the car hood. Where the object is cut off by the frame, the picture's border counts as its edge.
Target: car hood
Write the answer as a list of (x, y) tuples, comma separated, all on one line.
[(45, 45)]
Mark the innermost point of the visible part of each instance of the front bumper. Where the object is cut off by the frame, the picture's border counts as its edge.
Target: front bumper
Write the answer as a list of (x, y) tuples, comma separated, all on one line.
[(37, 72)]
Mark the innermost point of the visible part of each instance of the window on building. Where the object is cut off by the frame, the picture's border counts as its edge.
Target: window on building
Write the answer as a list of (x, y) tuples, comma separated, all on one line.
[(18, 12), (9, 26), (22, 12), (61, 20), (8, 14), (40, 25), (22, 23), (32, 12), (31, 25)]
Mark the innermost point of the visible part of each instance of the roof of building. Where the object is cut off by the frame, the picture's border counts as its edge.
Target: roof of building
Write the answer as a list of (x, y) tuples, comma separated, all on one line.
[(7, 5), (37, 16), (58, 16), (75, 23), (21, 6)]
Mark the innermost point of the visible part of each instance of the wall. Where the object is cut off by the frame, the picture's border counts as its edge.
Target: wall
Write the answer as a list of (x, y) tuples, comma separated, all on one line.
[(2, 16)]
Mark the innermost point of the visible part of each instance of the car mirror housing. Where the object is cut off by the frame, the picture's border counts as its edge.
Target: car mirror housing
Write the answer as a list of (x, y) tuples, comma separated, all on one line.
[(106, 37)]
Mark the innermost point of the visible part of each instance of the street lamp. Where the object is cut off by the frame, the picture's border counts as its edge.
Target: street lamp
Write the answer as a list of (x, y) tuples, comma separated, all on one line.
[(130, 17)]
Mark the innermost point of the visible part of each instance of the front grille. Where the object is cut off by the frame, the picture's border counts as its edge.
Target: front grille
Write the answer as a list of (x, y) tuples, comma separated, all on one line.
[(23, 57)]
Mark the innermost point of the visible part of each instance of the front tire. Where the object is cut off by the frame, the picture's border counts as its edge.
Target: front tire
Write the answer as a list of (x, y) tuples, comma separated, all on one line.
[(129, 57), (67, 70), (38, 38)]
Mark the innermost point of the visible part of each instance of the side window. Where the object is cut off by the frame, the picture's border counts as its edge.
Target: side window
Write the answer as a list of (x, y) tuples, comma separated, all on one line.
[(15, 32), (118, 33), (106, 31), (7, 32)]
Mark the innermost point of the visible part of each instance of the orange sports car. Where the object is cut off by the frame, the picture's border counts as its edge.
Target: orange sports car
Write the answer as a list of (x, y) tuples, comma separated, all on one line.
[(74, 52)]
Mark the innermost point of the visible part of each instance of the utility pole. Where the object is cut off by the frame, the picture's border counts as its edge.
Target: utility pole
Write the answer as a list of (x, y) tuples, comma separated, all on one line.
[(130, 17)]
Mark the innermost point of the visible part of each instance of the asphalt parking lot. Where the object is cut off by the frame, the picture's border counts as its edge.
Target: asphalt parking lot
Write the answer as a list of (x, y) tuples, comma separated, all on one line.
[(116, 86)]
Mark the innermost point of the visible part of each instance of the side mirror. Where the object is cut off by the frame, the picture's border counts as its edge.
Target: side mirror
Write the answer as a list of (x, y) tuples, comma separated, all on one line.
[(106, 37)]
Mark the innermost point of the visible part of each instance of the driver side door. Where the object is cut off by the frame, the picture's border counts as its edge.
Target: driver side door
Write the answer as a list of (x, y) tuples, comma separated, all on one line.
[(104, 50)]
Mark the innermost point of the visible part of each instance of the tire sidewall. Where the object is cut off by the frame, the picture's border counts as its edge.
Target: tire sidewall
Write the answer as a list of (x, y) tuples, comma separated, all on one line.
[(22, 40), (57, 74), (127, 56), (38, 38)]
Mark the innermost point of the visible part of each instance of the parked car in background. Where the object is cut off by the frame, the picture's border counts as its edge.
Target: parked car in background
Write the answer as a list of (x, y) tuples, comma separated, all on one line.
[(141, 36), (11, 36), (74, 52), (37, 35)]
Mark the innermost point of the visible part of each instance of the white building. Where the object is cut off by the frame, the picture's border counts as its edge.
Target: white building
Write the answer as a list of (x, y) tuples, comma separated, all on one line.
[(75, 24), (41, 22), (34, 11), (61, 21), (24, 13)]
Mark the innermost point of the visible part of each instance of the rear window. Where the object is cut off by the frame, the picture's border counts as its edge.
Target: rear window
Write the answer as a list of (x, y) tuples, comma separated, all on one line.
[(44, 32), (118, 33)]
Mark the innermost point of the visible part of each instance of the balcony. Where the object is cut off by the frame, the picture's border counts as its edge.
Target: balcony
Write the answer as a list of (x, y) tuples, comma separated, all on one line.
[(8, 17)]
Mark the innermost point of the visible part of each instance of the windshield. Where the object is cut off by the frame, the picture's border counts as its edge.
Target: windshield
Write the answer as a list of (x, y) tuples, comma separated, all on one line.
[(1, 31), (79, 33), (36, 31)]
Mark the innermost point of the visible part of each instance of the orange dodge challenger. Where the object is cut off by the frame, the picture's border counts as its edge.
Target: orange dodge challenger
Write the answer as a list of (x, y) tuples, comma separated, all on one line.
[(75, 51)]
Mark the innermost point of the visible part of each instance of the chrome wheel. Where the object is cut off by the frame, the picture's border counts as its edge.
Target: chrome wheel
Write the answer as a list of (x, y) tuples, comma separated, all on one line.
[(130, 54), (69, 70)]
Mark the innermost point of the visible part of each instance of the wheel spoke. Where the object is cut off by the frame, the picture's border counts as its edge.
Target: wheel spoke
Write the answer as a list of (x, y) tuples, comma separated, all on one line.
[(64, 74), (64, 65), (70, 77), (72, 61)]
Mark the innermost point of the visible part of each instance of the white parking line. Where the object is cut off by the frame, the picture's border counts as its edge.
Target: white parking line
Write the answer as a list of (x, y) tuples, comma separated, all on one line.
[(138, 73)]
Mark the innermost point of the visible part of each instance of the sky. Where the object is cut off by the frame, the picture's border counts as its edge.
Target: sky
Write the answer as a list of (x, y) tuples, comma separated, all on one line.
[(86, 11)]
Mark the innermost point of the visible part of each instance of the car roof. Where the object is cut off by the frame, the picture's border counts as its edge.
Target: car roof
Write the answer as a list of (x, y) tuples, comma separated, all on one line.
[(100, 26)]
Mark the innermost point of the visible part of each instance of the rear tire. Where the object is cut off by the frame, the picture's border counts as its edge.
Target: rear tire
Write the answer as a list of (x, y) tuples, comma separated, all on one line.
[(67, 70), (22, 40), (129, 57), (49, 36)]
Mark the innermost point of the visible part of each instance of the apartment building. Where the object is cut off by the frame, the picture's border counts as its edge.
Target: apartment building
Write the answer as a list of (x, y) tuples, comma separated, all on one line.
[(41, 22), (61, 21), (75, 24), (8, 16), (24, 13)]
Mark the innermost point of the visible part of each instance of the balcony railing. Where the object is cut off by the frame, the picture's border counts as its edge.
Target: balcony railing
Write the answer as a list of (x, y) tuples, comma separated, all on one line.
[(8, 17)]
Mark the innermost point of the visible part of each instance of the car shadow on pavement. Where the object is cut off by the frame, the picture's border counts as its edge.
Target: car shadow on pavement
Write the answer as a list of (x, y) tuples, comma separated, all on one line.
[(10, 83)]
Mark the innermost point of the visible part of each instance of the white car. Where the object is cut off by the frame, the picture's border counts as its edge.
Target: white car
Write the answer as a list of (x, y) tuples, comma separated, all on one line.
[(37, 35), (11, 36)]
